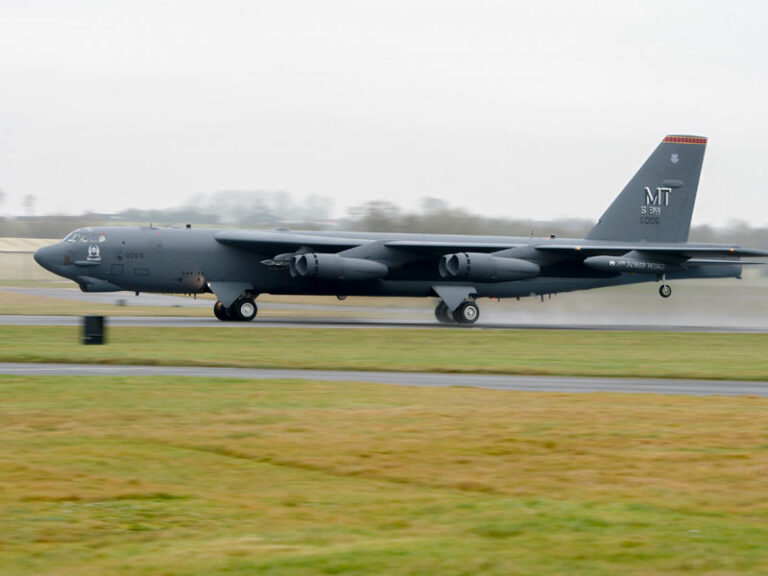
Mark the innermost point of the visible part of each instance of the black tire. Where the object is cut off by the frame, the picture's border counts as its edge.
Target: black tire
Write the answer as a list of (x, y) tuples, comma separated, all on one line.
[(244, 310), (665, 290), (467, 313), (443, 313), (221, 312)]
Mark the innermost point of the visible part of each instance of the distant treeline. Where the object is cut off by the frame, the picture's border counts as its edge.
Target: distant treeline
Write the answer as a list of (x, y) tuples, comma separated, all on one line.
[(277, 210)]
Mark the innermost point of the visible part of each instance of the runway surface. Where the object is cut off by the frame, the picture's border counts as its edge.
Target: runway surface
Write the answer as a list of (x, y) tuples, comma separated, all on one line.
[(493, 382), (699, 307), (355, 322)]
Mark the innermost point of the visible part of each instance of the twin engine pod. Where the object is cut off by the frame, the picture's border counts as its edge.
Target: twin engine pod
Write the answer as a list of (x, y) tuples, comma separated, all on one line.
[(472, 266), (481, 267), (335, 267)]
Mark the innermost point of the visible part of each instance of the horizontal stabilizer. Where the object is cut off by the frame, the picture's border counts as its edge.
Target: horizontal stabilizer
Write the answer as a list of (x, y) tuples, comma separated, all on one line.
[(682, 249), (723, 261)]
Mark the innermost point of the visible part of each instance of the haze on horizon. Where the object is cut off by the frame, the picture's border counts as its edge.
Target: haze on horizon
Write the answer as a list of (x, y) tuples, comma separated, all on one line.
[(513, 109)]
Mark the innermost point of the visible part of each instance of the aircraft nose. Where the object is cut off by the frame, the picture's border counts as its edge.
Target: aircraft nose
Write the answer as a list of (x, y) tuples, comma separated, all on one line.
[(45, 257)]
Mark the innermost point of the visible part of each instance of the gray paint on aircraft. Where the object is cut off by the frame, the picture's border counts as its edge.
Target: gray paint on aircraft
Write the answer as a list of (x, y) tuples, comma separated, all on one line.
[(640, 238)]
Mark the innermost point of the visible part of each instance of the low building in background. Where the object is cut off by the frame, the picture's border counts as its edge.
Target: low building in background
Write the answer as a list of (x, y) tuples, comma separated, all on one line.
[(17, 262)]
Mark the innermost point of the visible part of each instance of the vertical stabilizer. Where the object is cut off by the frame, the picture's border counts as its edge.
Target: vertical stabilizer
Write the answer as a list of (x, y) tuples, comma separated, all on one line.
[(657, 204)]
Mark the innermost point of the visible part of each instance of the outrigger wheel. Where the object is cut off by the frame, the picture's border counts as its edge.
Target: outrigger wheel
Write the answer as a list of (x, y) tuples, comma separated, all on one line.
[(665, 290)]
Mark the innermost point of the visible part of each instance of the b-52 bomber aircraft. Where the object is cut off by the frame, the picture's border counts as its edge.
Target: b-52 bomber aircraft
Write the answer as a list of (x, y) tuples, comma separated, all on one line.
[(641, 237)]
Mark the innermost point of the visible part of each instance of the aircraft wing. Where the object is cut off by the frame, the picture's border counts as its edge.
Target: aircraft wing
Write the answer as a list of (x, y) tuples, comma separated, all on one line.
[(273, 242), (437, 248)]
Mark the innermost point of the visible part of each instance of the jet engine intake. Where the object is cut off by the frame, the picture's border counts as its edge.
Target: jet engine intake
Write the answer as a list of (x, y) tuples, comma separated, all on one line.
[(335, 267), (481, 267)]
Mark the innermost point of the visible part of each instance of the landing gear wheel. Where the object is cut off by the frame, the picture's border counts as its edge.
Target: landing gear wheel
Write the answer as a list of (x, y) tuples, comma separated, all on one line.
[(443, 313), (467, 313), (221, 312), (244, 310), (665, 290)]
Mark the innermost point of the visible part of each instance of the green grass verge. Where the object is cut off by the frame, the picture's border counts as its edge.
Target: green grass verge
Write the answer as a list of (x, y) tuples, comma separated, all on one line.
[(203, 477), (630, 354)]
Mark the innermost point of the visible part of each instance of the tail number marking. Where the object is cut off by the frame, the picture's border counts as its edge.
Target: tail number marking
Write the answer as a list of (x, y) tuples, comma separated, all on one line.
[(658, 198), (650, 211)]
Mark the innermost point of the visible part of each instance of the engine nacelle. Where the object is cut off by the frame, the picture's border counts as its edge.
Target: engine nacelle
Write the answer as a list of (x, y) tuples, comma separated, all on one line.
[(335, 267), (481, 267)]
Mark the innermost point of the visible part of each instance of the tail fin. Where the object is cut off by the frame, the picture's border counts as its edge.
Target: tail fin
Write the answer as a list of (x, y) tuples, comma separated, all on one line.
[(657, 204)]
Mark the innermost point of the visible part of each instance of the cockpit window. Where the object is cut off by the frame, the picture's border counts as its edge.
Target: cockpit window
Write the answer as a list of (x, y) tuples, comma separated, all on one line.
[(87, 235)]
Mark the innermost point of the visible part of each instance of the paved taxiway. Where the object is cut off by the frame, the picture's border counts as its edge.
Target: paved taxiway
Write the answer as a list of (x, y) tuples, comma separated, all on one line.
[(493, 382)]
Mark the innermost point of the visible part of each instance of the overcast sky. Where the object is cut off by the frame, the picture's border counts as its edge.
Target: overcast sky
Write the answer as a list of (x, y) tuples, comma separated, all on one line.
[(522, 109)]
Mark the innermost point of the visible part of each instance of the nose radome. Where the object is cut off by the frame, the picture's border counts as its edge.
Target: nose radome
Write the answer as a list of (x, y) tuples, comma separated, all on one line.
[(38, 255), (43, 256)]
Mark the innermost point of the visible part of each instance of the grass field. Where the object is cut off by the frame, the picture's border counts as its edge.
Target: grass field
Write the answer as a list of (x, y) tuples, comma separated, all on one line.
[(639, 354), (191, 476), (175, 476)]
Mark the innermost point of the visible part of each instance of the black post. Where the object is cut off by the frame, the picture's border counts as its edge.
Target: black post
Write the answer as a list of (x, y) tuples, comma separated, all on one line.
[(93, 330)]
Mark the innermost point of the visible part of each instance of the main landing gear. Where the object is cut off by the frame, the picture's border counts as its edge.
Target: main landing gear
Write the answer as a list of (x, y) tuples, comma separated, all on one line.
[(467, 313), (243, 310), (443, 313)]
